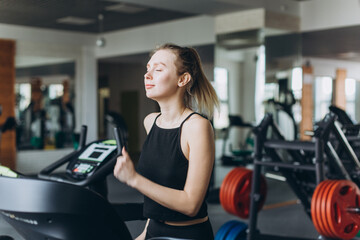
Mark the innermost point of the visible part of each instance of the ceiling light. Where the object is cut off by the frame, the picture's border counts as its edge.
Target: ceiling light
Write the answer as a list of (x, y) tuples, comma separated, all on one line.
[(125, 8), (100, 42), (75, 20)]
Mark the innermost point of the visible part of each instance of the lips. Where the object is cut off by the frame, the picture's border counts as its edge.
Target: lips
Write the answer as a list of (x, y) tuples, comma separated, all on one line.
[(149, 86)]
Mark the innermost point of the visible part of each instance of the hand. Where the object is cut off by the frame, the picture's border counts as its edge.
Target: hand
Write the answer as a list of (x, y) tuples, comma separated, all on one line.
[(124, 169)]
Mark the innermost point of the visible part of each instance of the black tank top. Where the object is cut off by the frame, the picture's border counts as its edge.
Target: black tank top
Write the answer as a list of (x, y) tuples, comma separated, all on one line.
[(162, 161)]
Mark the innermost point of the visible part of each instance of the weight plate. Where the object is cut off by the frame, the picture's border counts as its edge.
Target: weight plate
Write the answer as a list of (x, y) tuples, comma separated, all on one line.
[(316, 203), (343, 195), (224, 188), (238, 232), (235, 192), (236, 174), (225, 229), (232, 191), (240, 196), (322, 210)]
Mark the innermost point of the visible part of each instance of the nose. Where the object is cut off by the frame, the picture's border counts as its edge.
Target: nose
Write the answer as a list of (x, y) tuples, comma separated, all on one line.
[(147, 75)]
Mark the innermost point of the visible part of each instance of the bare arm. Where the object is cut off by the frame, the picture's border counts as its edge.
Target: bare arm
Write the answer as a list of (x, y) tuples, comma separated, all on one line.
[(199, 148)]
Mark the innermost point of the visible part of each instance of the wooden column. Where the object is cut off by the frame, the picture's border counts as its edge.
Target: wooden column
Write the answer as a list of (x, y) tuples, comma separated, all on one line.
[(36, 94), (339, 97), (307, 102), (66, 92), (7, 100)]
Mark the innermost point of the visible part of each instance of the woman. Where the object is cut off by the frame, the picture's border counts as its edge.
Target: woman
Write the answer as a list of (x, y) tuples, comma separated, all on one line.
[(177, 158)]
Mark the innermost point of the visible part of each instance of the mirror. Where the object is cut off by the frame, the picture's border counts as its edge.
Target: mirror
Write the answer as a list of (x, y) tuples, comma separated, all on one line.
[(44, 102), (331, 54)]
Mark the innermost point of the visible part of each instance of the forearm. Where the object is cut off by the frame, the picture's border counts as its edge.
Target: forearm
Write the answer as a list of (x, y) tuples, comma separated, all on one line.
[(178, 200)]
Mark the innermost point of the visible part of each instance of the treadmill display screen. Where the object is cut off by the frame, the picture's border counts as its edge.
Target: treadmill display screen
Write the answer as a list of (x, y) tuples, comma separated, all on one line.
[(95, 154)]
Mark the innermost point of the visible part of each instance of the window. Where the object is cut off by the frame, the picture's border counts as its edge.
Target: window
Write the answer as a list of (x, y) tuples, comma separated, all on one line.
[(221, 119), (56, 90), (296, 88), (350, 93), (23, 96), (322, 96)]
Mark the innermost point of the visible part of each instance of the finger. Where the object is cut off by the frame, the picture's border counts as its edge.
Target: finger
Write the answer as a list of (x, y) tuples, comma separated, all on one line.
[(124, 152)]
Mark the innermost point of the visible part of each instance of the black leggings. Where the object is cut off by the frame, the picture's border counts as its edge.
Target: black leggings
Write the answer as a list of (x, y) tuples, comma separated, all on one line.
[(200, 231)]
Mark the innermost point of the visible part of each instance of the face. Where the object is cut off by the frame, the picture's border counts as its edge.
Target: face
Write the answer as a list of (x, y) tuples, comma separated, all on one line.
[(161, 79)]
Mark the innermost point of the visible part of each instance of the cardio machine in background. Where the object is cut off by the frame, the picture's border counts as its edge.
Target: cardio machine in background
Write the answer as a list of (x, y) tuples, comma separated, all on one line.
[(240, 155), (71, 205)]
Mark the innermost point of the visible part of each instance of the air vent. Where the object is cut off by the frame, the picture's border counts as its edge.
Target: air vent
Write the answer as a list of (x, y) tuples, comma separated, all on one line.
[(125, 8), (75, 20)]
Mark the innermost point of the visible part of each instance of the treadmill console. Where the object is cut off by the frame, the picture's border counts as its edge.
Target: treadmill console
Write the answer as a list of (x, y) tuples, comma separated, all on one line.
[(91, 158)]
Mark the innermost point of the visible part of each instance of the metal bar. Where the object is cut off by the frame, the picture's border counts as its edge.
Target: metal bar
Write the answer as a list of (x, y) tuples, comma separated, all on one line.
[(345, 143), (337, 159), (319, 160), (286, 165), (292, 181), (353, 210), (255, 187), (290, 145)]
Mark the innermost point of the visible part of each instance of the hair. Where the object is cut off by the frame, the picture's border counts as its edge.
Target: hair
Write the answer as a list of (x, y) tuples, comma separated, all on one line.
[(199, 94)]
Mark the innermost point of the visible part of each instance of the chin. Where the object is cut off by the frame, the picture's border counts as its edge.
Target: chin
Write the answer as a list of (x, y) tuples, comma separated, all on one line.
[(149, 95)]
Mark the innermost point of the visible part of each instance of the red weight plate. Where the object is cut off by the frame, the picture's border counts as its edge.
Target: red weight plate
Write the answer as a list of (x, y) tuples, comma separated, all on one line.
[(225, 194), (227, 185), (241, 197), (224, 188), (316, 206), (322, 209), (313, 207), (239, 178), (228, 190), (314, 201), (343, 195)]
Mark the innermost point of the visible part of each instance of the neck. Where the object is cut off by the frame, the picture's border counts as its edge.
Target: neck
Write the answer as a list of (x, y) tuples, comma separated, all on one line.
[(172, 116)]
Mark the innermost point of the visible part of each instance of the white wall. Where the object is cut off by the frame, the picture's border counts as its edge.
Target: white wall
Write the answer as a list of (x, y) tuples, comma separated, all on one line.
[(323, 14), (327, 67)]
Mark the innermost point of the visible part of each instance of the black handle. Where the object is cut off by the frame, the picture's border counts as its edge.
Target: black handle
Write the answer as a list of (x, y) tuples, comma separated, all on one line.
[(83, 133), (118, 139)]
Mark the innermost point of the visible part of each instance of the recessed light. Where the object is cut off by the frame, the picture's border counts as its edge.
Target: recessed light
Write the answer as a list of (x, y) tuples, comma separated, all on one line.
[(75, 20), (125, 8)]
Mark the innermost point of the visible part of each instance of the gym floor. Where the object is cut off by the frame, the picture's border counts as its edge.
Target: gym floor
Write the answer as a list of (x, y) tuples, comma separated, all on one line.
[(281, 215)]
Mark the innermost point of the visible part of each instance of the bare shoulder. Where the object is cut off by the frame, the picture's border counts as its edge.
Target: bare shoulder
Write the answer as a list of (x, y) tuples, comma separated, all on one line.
[(197, 124), (149, 120)]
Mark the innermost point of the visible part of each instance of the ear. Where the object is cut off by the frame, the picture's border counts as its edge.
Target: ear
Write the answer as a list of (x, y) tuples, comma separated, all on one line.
[(184, 79)]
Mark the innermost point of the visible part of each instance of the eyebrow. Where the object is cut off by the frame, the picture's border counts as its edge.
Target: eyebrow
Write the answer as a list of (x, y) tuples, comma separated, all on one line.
[(157, 63)]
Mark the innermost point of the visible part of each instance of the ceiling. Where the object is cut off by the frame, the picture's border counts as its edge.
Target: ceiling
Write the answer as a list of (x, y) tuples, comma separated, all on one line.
[(94, 16)]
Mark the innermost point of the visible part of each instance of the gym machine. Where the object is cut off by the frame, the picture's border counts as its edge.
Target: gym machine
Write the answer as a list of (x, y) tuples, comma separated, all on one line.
[(240, 156), (351, 129), (309, 167), (52, 206), (326, 185)]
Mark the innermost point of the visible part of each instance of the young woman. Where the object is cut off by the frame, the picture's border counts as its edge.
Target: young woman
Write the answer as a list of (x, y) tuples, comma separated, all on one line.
[(177, 158)]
